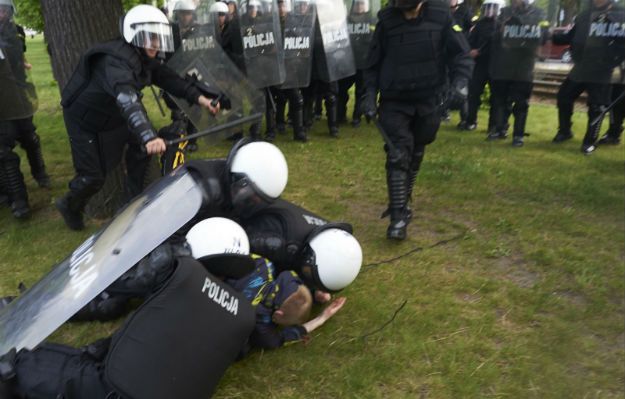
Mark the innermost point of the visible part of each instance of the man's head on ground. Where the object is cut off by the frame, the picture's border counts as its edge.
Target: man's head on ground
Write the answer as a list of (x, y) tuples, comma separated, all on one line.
[(294, 300)]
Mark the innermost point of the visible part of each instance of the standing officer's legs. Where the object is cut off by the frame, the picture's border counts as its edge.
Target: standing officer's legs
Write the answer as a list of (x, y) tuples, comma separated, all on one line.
[(568, 93), (29, 140), (10, 175)]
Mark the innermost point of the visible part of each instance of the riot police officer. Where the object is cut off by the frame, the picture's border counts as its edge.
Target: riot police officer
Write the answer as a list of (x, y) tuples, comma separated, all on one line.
[(325, 255), (103, 111), (597, 48), (521, 29), (16, 115), (360, 21), (190, 301), (480, 41), (410, 72)]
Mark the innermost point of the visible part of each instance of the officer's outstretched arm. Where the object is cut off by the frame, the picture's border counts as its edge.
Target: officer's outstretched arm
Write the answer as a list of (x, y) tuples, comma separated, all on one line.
[(135, 114), (168, 80)]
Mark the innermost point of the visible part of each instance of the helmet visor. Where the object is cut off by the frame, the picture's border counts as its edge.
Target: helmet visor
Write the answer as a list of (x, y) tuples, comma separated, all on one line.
[(246, 198), (490, 10), (154, 36)]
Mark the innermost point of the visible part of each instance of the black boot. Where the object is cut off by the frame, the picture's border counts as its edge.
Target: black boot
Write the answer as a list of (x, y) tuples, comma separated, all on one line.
[(397, 181), (412, 177), (299, 132), (35, 160), (592, 131), (333, 125), (564, 120), (612, 136), (72, 205), (14, 186)]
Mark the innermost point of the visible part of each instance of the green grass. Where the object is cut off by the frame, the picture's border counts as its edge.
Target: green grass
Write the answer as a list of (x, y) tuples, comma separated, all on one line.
[(528, 302)]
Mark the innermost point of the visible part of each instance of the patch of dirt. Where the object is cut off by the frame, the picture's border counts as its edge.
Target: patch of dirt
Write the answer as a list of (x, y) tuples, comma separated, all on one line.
[(574, 298), (515, 270)]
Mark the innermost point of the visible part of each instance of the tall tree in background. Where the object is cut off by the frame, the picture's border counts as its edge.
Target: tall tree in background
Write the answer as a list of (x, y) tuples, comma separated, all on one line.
[(72, 26)]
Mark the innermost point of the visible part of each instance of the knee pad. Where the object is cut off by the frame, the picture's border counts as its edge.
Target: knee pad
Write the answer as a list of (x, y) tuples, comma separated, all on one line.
[(425, 129), (91, 184), (396, 159), (330, 98)]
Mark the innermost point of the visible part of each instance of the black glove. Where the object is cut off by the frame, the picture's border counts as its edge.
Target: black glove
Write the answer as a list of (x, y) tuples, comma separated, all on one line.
[(457, 94), (368, 106)]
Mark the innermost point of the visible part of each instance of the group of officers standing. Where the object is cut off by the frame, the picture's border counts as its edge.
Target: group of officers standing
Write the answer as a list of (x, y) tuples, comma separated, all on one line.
[(224, 62)]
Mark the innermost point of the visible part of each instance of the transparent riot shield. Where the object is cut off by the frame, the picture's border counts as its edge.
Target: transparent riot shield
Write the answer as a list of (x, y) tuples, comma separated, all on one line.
[(298, 17), (201, 59), (520, 33), (600, 34), (263, 50), (19, 97), (99, 261), (361, 19), (332, 46)]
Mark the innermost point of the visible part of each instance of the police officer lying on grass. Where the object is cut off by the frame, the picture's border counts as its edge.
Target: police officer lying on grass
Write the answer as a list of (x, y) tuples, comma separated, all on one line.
[(177, 344), (103, 111)]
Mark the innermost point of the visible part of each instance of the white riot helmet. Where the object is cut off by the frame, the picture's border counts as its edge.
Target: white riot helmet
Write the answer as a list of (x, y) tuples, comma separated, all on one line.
[(145, 26), (184, 5), (219, 7), (332, 259), (8, 4), (258, 175), (222, 246), (492, 8)]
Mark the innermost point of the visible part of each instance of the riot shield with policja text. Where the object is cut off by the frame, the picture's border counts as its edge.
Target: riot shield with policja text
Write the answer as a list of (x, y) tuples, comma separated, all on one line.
[(599, 40), (333, 51), (298, 37), (263, 50), (520, 33), (361, 21), (170, 202)]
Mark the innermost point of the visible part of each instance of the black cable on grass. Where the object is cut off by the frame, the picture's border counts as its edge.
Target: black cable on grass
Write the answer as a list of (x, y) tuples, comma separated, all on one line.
[(417, 249), (387, 323)]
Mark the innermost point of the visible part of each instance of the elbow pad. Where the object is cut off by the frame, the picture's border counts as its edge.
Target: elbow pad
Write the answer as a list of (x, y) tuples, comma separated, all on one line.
[(133, 110), (273, 247)]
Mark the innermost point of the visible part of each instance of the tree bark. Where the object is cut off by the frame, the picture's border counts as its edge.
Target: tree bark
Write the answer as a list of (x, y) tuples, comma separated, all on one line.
[(71, 28)]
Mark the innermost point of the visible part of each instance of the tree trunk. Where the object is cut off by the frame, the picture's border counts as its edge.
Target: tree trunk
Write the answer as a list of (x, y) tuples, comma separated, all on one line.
[(71, 28)]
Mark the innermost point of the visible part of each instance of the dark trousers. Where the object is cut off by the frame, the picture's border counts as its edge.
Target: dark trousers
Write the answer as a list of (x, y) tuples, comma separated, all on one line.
[(296, 105), (598, 96), (59, 371), (617, 114), (343, 96), (510, 95), (96, 153), (11, 177), (329, 92), (476, 89)]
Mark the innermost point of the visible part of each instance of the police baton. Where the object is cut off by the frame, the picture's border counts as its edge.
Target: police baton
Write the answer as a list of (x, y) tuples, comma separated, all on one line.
[(385, 137), (157, 98), (252, 118), (607, 109)]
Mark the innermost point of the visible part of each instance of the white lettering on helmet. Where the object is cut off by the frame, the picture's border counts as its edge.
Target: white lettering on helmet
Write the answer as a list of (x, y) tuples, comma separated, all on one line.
[(220, 296), (258, 40), (82, 271)]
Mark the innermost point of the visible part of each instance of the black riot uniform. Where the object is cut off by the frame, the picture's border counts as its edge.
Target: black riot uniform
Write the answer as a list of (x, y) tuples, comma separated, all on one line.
[(291, 95), (103, 112), (16, 126), (282, 231), (178, 343), (512, 67), (592, 71), (617, 115), (327, 90), (360, 30), (409, 62), (479, 39)]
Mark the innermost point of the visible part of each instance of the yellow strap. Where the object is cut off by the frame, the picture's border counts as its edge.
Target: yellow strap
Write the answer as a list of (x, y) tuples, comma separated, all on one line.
[(457, 28)]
